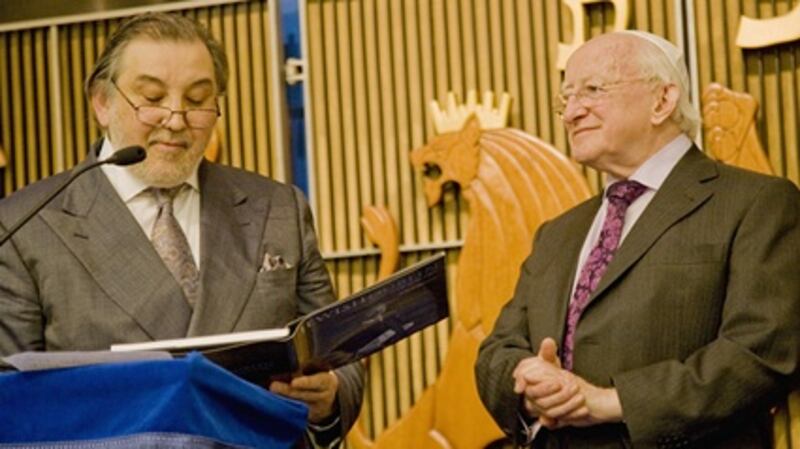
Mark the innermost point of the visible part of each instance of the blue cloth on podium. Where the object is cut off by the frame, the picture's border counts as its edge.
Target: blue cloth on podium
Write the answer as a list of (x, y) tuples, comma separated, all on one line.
[(188, 402)]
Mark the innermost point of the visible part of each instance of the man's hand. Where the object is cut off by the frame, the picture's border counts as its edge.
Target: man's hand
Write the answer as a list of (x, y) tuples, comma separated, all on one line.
[(559, 398), (549, 392), (318, 391)]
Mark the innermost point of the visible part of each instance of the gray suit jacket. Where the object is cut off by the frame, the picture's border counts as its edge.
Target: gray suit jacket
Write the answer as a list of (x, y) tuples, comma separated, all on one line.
[(82, 275), (696, 323)]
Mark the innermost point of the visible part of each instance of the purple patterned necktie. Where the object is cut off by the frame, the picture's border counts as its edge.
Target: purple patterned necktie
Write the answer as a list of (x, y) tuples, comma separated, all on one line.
[(620, 195), (171, 244)]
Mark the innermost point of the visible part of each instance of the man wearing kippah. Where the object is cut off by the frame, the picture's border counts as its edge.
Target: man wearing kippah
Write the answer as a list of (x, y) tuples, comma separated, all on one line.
[(664, 312)]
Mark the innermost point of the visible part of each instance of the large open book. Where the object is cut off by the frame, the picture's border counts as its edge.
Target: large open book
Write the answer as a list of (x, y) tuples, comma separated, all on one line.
[(343, 332)]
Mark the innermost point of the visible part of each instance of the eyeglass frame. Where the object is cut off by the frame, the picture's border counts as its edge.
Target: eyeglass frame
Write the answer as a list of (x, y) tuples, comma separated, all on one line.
[(182, 112), (588, 100)]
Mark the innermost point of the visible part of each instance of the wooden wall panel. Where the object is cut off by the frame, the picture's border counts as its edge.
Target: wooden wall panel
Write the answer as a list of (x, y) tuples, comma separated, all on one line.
[(771, 74), (31, 102)]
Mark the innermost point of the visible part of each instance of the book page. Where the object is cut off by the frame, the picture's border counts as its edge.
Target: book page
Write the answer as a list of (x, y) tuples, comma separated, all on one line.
[(206, 341)]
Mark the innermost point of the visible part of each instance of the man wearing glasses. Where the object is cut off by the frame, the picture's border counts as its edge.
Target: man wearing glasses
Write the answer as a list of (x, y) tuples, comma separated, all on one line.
[(174, 246), (663, 313)]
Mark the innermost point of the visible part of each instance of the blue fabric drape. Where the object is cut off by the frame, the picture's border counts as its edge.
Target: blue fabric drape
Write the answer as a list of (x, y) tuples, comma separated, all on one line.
[(189, 402)]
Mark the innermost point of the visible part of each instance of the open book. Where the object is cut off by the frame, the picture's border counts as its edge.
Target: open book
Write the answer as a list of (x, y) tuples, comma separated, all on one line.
[(329, 337)]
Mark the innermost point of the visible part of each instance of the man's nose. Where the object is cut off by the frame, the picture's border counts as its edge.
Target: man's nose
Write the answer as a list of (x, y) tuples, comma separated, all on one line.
[(176, 121), (573, 109)]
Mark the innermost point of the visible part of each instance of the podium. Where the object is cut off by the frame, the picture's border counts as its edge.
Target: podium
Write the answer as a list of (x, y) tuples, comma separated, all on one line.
[(182, 403)]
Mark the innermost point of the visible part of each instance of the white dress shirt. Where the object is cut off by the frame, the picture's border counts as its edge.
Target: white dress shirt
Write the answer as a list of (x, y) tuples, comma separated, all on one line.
[(186, 205)]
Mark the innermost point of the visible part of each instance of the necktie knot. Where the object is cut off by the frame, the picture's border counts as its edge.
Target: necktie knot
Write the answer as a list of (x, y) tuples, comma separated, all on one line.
[(625, 192), (165, 196)]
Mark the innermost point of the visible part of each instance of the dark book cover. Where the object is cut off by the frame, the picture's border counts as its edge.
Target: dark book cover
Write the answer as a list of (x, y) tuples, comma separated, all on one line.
[(340, 333)]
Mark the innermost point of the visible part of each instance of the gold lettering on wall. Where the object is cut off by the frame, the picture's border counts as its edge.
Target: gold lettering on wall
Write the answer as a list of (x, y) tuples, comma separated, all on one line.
[(759, 33), (621, 19)]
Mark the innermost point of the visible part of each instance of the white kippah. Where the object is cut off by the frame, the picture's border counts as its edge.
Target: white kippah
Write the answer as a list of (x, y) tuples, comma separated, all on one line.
[(673, 54)]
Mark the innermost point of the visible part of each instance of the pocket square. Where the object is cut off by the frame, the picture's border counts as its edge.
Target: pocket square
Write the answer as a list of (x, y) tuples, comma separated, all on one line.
[(272, 263)]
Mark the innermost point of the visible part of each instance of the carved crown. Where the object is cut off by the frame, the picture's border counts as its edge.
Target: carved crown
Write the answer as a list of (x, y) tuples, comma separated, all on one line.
[(455, 115)]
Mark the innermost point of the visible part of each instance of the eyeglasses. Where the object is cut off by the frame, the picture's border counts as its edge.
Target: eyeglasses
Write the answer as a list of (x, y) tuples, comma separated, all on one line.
[(588, 95), (200, 118)]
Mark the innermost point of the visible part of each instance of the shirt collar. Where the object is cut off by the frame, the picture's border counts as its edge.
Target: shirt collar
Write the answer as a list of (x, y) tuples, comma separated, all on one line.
[(125, 182), (656, 169)]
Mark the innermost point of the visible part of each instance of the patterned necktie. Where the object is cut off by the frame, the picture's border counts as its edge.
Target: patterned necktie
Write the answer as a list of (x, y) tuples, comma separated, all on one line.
[(171, 244), (620, 195)]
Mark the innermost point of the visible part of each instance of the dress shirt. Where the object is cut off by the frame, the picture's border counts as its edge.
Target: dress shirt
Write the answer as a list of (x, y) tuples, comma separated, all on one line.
[(186, 205)]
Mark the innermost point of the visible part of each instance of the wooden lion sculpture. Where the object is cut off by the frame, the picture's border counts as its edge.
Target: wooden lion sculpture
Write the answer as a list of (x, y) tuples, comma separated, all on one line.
[(512, 183)]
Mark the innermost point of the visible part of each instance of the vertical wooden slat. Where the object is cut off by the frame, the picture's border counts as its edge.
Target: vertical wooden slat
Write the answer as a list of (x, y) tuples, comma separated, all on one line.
[(429, 70), (374, 102), (29, 121), (525, 44), (483, 45), (388, 108), (5, 112), (733, 60), (76, 78), (18, 142), (361, 117), (338, 182), (234, 97), (42, 97), (467, 45), (496, 47), (402, 167), (351, 198), (511, 61), (316, 77), (244, 71), (66, 99), (262, 123), (414, 206), (277, 147), (88, 57)]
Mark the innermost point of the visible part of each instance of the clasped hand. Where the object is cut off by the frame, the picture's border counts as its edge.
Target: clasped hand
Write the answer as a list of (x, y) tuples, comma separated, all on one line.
[(559, 398)]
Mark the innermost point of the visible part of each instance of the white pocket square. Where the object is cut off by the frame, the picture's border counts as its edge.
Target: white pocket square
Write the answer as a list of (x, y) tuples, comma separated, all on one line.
[(272, 263)]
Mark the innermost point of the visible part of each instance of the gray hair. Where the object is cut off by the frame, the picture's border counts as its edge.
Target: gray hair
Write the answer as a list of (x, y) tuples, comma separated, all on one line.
[(158, 27), (660, 59)]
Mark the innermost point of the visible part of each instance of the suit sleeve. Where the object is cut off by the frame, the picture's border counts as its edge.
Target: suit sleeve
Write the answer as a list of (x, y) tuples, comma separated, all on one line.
[(21, 319), (314, 291), (755, 356), (500, 353)]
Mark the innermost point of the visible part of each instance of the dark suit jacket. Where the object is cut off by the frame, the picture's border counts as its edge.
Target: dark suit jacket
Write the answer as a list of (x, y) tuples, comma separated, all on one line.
[(82, 274), (696, 323)]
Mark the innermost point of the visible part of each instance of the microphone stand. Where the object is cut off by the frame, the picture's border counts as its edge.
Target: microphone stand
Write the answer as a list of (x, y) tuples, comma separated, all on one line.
[(125, 156)]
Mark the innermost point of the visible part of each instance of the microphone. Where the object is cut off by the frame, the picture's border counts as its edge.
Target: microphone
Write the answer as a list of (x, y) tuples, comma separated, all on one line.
[(126, 156)]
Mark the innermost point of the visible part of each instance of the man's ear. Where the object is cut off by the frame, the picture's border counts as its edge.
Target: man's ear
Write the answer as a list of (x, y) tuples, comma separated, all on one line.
[(100, 105), (666, 100)]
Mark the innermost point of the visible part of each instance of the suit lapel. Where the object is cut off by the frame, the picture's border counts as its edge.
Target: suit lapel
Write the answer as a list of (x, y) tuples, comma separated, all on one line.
[(231, 225), (683, 191), (100, 231)]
